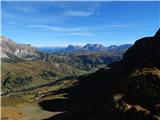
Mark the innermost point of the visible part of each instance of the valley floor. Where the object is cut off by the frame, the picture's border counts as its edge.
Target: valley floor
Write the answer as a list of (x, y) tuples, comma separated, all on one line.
[(25, 105), (25, 111)]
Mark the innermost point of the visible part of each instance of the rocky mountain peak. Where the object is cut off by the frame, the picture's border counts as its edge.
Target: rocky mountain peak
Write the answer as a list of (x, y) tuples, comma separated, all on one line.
[(73, 48), (94, 47), (11, 48)]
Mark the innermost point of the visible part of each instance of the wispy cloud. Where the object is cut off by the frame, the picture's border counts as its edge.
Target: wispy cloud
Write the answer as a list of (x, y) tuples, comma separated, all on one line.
[(73, 13), (81, 31), (27, 9), (19, 7), (56, 28), (89, 10), (117, 26)]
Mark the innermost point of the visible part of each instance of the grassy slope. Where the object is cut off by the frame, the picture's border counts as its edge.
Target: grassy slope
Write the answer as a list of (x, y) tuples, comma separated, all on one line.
[(32, 73), (25, 106)]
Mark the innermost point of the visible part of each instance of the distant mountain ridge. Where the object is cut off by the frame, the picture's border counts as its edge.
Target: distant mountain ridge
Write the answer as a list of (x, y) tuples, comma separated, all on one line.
[(94, 47), (72, 48), (50, 49), (87, 48), (118, 48)]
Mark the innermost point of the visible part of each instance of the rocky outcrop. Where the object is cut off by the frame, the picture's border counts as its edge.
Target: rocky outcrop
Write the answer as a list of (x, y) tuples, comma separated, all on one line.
[(9, 48)]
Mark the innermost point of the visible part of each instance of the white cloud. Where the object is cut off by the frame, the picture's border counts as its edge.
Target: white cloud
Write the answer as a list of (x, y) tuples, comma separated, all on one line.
[(88, 10), (27, 9), (73, 13), (57, 28), (80, 33)]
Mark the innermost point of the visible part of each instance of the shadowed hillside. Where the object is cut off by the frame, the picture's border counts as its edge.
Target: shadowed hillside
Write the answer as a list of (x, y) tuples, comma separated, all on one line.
[(129, 90)]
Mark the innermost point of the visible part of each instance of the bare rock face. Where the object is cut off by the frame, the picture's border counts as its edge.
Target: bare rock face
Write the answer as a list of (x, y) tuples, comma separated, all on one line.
[(94, 47), (10, 48)]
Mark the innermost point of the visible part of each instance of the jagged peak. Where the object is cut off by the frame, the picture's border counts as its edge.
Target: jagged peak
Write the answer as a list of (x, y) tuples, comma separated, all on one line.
[(10, 47)]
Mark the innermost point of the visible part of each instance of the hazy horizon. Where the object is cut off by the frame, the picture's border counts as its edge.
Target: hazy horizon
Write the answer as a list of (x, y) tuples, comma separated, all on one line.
[(59, 24)]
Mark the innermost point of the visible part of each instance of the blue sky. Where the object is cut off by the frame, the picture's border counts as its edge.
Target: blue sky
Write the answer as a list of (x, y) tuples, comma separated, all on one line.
[(78, 23)]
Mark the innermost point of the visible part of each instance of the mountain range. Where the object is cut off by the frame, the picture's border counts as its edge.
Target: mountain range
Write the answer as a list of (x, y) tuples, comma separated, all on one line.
[(13, 50), (18, 60), (86, 48)]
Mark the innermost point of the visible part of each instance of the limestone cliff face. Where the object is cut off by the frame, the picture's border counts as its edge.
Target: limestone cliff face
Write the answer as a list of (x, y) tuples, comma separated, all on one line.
[(10, 48)]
